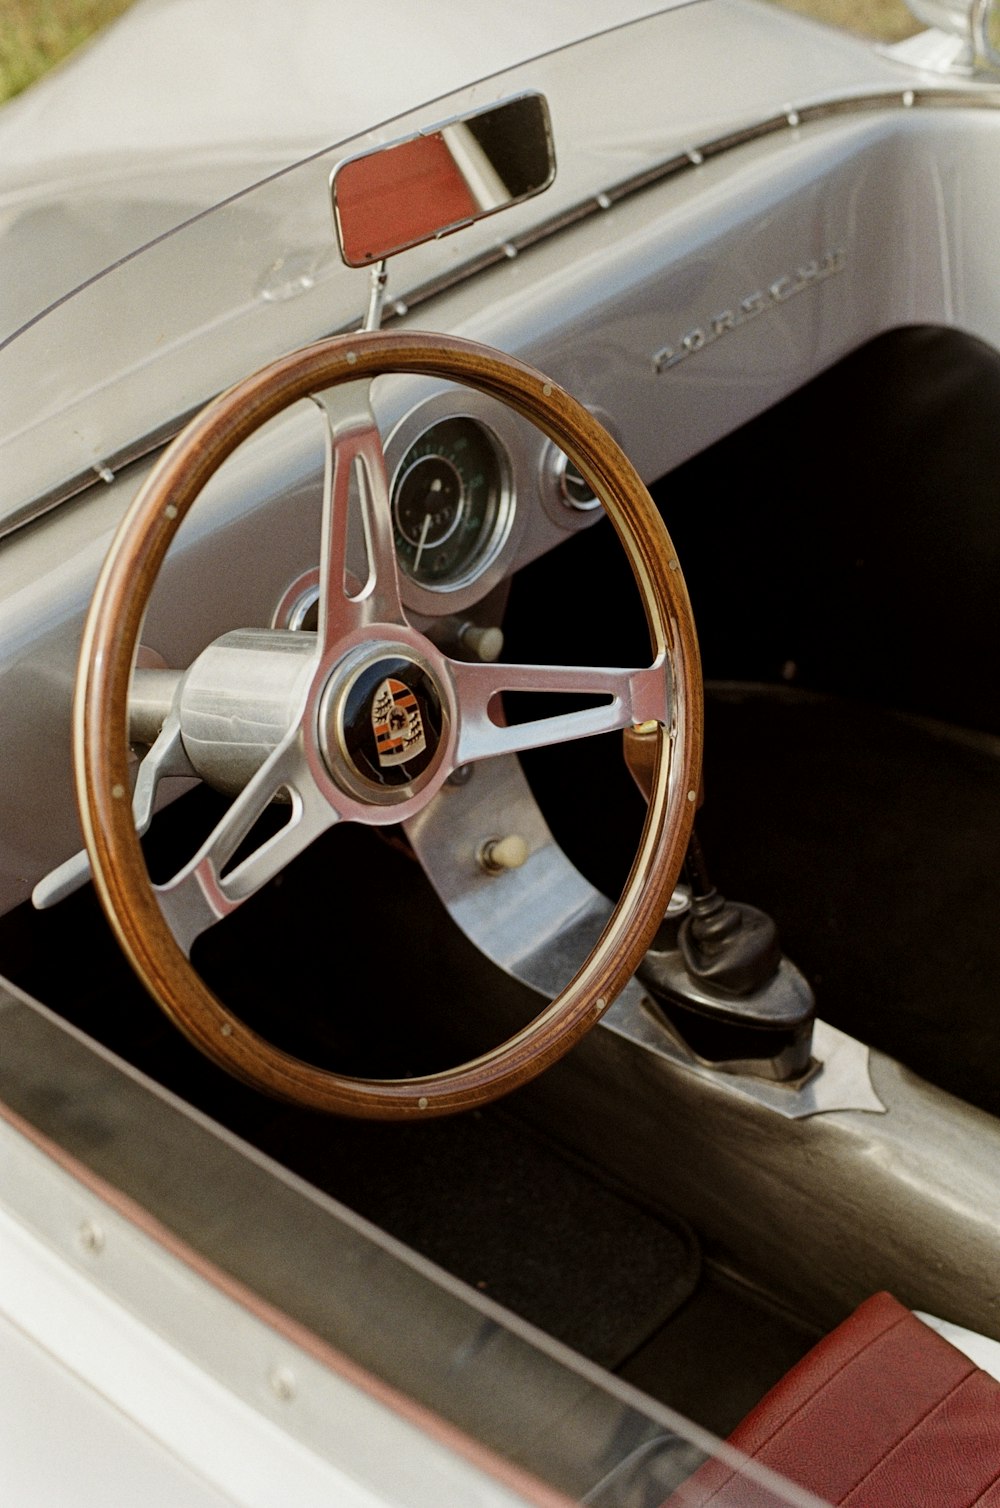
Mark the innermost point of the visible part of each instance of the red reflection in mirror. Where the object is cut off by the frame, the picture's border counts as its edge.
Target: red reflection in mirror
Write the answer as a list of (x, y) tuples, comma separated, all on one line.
[(394, 199)]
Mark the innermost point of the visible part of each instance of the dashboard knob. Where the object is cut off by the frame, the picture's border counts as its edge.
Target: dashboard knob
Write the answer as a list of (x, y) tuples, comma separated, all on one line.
[(498, 854), (485, 643)]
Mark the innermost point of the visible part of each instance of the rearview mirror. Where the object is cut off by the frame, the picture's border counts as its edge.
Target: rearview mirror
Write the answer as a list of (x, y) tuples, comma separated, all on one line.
[(446, 177)]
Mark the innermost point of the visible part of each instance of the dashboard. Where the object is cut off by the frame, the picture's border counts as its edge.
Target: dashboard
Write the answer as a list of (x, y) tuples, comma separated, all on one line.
[(476, 492)]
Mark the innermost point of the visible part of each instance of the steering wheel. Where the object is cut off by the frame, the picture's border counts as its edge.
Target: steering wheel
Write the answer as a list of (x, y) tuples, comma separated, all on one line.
[(344, 756)]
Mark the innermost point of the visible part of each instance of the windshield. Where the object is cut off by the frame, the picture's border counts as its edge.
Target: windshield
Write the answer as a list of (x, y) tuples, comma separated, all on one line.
[(105, 373), (165, 328)]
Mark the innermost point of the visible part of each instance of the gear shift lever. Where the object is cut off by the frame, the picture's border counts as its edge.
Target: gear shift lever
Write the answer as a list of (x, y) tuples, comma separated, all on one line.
[(718, 975), (726, 944)]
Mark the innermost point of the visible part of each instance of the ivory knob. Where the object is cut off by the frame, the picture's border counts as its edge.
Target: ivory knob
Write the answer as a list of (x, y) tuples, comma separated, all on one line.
[(485, 643), (498, 854)]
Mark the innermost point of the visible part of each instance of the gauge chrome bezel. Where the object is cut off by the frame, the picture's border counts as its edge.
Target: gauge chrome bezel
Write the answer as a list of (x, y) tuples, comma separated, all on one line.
[(510, 439), (557, 501)]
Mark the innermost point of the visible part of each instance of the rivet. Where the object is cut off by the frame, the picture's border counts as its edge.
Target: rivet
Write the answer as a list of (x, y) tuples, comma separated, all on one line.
[(226, 1029), (118, 791), (673, 565), (547, 390), (909, 98), (91, 1237), (423, 1102), (282, 1382), (692, 795), (601, 1003), (352, 357), (170, 511)]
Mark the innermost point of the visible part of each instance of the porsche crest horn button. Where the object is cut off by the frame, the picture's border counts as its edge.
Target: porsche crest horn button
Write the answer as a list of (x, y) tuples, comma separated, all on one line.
[(382, 722), (397, 723)]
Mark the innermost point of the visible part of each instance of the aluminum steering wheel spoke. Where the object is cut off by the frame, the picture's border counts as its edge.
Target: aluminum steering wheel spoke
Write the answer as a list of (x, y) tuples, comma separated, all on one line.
[(629, 697), (359, 575), (205, 890)]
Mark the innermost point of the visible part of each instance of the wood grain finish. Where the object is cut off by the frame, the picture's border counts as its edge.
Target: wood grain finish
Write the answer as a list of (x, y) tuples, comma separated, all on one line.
[(101, 720), (639, 747)]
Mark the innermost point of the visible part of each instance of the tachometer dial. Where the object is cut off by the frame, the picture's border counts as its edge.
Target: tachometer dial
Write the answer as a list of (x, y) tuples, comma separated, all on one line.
[(450, 503)]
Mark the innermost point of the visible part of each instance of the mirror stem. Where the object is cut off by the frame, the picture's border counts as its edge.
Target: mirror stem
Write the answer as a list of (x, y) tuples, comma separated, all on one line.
[(377, 279)]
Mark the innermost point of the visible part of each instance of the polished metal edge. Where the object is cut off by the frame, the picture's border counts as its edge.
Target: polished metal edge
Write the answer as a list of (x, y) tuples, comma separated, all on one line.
[(838, 1079), (789, 117), (300, 1386)]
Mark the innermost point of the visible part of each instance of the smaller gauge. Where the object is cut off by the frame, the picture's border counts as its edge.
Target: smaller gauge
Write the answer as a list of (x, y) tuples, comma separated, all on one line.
[(567, 496), (450, 503), (573, 489)]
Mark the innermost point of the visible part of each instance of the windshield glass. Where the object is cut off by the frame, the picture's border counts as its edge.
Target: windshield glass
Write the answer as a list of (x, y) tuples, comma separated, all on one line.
[(105, 373), (165, 328)]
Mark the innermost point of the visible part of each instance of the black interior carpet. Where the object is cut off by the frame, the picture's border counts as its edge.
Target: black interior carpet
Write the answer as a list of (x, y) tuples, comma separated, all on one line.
[(872, 837), (495, 1205), (726, 1348)]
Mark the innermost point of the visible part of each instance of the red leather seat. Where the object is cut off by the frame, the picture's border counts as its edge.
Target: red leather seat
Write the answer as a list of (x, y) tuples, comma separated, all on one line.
[(883, 1413)]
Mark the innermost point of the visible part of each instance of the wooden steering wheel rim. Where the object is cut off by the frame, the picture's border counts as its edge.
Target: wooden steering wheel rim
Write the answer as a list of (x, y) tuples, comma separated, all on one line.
[(101, 722)]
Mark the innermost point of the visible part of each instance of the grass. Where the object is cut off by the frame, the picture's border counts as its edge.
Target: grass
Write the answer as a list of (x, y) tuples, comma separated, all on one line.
[(35, 34), (883, 20)]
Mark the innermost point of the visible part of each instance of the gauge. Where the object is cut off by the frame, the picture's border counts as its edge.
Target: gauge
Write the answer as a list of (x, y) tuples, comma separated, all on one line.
[(574, 490), (450, 503)]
